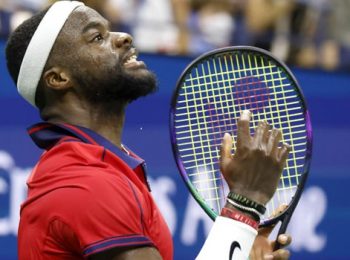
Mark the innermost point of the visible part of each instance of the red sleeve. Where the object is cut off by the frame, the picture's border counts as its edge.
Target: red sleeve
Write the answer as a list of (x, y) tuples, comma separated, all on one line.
[(103, 211)]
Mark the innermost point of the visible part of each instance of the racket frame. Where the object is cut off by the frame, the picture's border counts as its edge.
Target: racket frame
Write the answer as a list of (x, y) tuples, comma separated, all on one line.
[(287, 213)]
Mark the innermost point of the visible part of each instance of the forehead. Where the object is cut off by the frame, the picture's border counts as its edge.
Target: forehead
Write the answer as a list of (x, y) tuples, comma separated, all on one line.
[(80, 18)]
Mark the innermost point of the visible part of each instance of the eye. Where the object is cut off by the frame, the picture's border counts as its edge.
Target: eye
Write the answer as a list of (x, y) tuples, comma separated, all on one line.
[(98, 38)]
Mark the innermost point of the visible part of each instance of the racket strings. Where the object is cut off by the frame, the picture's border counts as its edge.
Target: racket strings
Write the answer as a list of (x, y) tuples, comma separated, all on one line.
[(215, 135), (205, 180), (209, 104)]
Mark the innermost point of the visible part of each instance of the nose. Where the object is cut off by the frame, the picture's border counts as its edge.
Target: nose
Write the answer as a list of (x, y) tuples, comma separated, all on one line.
[(122, 39)]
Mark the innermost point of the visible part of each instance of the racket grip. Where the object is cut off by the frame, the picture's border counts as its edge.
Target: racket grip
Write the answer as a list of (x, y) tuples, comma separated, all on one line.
[(282, 229)]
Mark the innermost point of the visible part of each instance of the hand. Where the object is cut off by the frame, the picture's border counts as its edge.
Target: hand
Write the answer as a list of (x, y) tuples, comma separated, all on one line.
[(255, 168), (263, 247)]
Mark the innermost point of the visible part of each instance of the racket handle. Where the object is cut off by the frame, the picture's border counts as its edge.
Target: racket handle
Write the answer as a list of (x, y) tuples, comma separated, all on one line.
[(282, 229), (290, 210)]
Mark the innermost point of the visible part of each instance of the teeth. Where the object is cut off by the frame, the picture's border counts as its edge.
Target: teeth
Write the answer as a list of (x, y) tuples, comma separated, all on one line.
[(131, 59)]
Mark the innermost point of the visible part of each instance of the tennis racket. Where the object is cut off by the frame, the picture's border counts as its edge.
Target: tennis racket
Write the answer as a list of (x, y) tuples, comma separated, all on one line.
[(209, 97)]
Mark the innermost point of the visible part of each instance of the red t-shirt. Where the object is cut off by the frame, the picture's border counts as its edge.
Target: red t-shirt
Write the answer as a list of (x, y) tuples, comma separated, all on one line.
[(86, 196)]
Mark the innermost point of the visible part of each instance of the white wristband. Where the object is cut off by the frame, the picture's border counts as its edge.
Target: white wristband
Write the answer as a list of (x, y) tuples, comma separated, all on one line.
[(228, 239)]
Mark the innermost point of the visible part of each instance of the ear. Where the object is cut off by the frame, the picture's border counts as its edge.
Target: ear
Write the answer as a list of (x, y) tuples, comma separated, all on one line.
[(57, 78)]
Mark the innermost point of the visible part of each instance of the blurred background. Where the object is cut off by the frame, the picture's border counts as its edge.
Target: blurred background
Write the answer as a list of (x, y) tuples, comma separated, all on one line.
[(311, 36)]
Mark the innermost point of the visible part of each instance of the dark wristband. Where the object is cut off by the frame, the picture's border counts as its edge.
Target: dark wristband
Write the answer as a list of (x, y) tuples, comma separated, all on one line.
[(244, 201)]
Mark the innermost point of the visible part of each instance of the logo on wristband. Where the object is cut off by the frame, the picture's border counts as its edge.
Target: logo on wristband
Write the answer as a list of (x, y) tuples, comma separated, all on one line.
[(234, 245)]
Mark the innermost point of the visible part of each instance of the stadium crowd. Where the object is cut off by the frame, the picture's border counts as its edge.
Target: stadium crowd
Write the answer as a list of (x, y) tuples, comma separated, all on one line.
[(304, 33)]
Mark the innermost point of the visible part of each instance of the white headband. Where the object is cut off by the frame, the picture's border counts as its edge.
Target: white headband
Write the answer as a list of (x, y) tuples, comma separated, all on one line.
[(40, 47)]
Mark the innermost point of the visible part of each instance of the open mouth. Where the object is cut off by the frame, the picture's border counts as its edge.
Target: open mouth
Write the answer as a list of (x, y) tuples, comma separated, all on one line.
[(131, 59), (131, 62)]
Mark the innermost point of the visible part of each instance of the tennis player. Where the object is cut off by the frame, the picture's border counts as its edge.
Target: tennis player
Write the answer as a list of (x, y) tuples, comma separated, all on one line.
[(88, 195)]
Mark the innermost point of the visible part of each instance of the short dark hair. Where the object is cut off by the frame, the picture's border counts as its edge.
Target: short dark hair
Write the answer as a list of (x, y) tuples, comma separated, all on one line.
[(18, 43)]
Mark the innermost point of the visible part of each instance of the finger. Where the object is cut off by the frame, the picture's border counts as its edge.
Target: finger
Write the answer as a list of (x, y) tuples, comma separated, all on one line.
[(243, 133), (280, 254), (284, 152), (268, 257), (225, 151), (259, 139), (267, 133), (274, 139), (284, 240), (279, 210)]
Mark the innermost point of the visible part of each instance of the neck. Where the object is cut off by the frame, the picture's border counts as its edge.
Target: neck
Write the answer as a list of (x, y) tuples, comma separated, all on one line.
[(107, 121)]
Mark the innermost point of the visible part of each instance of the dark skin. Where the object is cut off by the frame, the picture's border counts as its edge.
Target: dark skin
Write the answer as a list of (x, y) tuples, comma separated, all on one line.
[(262, 248), (254, 171), (92, 50), (94, 47), (245, 172)]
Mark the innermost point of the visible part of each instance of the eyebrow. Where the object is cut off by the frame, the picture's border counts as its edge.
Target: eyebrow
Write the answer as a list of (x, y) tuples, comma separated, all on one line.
[(96, 24)]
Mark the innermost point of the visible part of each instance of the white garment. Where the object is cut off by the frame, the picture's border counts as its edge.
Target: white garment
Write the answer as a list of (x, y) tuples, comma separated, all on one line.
[(228, 239), (154, 29)]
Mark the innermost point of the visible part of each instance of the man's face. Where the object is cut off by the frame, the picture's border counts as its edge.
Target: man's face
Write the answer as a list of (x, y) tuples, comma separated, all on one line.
[(103, 64)]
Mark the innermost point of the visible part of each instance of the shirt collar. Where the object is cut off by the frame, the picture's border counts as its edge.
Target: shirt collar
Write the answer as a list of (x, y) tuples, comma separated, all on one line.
[(45, 135)]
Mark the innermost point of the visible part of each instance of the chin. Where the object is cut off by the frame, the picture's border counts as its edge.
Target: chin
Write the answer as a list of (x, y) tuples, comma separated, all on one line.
[(138, 72)]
